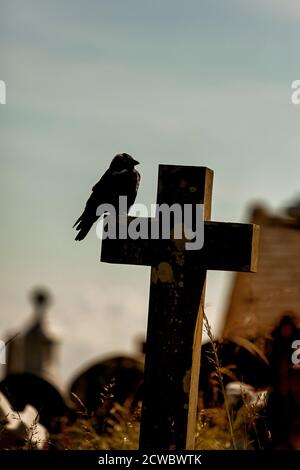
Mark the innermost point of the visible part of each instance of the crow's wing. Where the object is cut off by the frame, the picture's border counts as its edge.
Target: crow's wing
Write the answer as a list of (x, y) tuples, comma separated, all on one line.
[(107, 191), (103, 182), (115, 184)]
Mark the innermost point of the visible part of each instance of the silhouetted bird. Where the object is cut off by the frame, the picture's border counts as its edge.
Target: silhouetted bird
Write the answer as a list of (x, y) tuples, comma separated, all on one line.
[(121, 179)]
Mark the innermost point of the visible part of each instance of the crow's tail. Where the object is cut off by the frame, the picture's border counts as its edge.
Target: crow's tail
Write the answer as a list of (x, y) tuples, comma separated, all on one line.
[(78, 220), (83, 225), (83, 231)]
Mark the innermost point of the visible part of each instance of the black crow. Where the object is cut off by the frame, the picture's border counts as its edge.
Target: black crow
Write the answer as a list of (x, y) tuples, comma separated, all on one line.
[(121, 179)]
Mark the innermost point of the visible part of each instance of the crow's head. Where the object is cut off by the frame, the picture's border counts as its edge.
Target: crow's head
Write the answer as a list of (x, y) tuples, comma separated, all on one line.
[(123, 161)]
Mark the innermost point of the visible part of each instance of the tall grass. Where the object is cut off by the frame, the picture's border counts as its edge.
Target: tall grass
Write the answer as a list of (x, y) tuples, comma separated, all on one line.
[(218, 367)]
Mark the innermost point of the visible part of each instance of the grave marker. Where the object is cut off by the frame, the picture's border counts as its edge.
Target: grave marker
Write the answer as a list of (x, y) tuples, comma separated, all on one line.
[(176, 302)]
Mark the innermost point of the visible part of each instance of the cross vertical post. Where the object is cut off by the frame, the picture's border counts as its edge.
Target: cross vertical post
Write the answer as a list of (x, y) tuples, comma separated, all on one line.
[(173, 344)]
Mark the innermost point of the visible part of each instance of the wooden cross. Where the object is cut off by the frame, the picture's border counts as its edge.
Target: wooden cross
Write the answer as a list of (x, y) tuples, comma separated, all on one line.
[(177, 291)]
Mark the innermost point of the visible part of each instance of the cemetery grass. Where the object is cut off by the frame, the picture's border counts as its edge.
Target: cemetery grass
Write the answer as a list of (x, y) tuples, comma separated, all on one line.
[(121, 431)]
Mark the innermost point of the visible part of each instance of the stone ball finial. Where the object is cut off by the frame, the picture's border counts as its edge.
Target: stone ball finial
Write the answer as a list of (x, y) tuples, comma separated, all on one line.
[(40, 297)]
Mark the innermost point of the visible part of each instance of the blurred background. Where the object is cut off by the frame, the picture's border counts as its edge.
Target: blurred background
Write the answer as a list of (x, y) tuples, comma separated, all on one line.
[(194, 83)]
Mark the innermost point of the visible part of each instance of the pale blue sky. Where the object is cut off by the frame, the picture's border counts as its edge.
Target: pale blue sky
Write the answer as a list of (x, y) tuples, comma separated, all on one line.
[(195, 82)]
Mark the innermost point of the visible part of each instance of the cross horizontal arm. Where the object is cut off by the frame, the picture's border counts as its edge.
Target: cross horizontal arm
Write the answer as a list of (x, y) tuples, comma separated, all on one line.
[(227, 247)]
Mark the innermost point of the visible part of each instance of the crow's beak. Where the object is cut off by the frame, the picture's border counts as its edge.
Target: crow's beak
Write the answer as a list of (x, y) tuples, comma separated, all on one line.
[(135, 162)]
